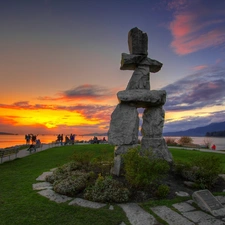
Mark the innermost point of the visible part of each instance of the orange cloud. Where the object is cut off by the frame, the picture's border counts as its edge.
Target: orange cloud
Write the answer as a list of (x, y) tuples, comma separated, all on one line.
[(52, 117)]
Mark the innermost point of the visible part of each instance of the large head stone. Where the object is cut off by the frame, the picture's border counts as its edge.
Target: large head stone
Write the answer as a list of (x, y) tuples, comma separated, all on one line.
[(137, 42)]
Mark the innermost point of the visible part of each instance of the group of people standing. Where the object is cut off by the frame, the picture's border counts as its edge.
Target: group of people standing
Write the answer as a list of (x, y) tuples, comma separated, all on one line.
[(30, 138), (68, 139)]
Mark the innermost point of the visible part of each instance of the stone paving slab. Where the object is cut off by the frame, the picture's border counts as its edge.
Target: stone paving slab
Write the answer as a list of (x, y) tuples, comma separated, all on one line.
[(86, 203), (136, 215), (42, 185), (53, 196), (221, 199), (202, 218), (183, 207), (170, 216), (43, 176)]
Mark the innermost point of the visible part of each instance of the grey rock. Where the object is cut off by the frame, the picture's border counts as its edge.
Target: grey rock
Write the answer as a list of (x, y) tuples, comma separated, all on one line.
[(206, 201), (202, 218), (189, 184), (86, 203), (131, 62), (43, 176), (136, 215), (117, 165), (124, 126), (139, 79), (222, 176), (42, 185), (170, 216), (183, 207), (53, 196), (182, 194), (142, 98), (137, 42), (221, 199), (153, 122), (158, 147), (111, 207)]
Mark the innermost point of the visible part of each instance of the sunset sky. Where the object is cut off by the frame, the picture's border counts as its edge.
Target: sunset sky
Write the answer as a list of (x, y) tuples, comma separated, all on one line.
[(60, 62)]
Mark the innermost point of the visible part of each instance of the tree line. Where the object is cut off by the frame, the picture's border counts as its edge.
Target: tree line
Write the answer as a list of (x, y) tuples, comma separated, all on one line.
[(215, 134)]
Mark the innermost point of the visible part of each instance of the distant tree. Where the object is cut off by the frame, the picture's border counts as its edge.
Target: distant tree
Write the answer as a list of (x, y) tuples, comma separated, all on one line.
[(185, 140), (215, 134)]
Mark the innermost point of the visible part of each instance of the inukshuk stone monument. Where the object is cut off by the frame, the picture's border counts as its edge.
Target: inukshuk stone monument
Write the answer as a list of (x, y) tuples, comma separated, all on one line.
[(124, 125)]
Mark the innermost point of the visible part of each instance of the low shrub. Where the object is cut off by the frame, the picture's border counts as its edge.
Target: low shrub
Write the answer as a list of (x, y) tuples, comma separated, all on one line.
[(143, 170), (72, 184), (162, 191), (107, 189), (62, 172), (203, 170)]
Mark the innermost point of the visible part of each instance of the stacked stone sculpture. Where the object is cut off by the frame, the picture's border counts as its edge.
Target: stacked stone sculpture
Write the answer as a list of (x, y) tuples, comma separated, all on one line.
[(124, 125)]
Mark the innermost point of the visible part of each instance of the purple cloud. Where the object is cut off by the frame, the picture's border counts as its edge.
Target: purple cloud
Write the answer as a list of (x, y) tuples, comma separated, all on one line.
[(204, 88)]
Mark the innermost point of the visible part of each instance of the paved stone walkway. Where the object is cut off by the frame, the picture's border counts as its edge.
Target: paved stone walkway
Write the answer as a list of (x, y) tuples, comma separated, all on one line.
[(24, 152), (184, 213)]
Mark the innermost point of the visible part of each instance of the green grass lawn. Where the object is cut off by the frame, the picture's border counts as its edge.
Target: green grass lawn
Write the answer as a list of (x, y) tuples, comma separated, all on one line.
[(19, 204)]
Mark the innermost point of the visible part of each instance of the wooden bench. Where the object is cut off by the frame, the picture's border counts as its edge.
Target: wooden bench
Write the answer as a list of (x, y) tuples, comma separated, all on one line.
[(7, 152)]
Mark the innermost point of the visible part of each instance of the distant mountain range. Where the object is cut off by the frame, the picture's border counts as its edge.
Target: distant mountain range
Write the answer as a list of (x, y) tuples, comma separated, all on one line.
[(4, 133), (198, 131)]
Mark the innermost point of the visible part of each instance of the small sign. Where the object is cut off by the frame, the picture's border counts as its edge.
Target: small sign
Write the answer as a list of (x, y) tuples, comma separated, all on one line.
[(206, 201)]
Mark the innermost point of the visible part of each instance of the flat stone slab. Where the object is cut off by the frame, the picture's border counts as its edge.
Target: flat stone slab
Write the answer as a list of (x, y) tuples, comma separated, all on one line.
[(43, 176), (221, 199), (142, 98), (42, 185), (170, 216), (86, 203), (136, 215), (202, 218), (182, 194), (206, 201), (183, 207), (53, 196)]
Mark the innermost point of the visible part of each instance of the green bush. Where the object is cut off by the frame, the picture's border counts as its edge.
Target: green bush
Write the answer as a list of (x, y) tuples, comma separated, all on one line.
[(84, 159), (72, 185), (162, 191), (202, 170), (143, 170), (107, 189), (62, 172)]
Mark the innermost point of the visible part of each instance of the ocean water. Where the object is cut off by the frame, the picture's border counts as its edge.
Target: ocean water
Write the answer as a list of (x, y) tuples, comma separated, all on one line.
[(12, 140)]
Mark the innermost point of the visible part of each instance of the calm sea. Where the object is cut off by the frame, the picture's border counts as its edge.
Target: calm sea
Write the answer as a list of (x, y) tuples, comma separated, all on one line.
[(11, 140)]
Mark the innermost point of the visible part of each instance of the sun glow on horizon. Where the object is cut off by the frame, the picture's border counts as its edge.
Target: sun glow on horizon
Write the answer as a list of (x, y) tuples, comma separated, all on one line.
[(46, 117)]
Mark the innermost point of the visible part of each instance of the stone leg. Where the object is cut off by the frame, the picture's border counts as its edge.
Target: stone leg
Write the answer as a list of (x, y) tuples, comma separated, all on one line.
[(152, 128), (157, 146), (124, 125), (153, 122)]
